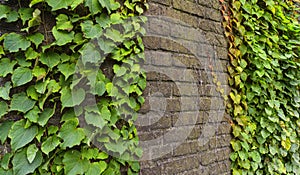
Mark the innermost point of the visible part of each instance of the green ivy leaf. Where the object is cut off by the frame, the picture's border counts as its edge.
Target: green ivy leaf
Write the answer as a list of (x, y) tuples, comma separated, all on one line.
[(4, 91), (62, 37), (89, 53), (114, 35), (4, 10), (45, 116), (13, 42), (12, 16), (63, 23), (20, 136), (21, 76), (109, 5), (71, 99), (94, 6), (25, 14), (59, 4), (36, 39), (70, 134), (50, 144), (95, 120), (96, 168), (3, 108), (90, 30), (6, 66), (21, 166), (20, 102), (4, 130), (67, 69), (33, 114), (31, 153), (74, 164), (50, 59)]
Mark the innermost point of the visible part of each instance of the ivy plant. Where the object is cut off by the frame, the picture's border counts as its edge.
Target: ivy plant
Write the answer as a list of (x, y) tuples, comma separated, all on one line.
[(265, 79), (54, 56)]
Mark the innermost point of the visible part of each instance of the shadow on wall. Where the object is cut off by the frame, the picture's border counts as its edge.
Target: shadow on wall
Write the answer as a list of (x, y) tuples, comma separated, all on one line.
[(181, 127)]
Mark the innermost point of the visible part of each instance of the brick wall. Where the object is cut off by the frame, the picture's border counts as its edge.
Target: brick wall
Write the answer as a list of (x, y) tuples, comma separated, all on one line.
[(182, 126)]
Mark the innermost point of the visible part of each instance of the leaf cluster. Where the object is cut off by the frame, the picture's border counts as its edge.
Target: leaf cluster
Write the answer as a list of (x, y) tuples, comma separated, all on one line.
[(265, 79), (50, 66)]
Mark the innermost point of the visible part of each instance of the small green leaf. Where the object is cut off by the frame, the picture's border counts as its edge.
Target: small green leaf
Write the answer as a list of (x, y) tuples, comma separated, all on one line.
[(63, 23), (6, 66), (21, 76), (31, 153), (4, 130), (13, 42), (4, 10), (114, 35), (33, 115), (4, 91), (21, 166), (20, 102), (45, 116), (70, 134), (36, 39), (62, 37), (50, 59), (50, 144), (20, 136)]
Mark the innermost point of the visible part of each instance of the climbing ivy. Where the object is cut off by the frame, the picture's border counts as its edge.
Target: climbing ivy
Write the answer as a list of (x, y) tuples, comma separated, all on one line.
[(55, 55), (265, 77)]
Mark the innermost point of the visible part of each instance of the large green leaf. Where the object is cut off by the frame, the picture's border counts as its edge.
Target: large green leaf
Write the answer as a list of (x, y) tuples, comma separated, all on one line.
[(36, 39), (21, 76), (89, 53), (70, 134), (6, 66), (59, 4), (3, 108), (94, 6), (109, 4), (71, 98), (96, 168), (13, 42), (21, 166), (50, 59), (20, 136), (67, 69), (74, 163), (20, 102), (4, 130), (90, 30)]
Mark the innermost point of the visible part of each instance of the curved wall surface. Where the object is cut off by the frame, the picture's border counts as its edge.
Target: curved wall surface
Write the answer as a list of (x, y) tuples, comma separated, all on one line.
[(183, 127)]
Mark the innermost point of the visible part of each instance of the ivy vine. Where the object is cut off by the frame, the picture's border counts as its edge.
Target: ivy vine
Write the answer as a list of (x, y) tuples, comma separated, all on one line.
[(48, 49), (265, 78)]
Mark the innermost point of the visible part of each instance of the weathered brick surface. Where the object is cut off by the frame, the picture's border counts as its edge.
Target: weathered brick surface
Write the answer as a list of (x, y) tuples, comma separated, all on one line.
[(182, 125)]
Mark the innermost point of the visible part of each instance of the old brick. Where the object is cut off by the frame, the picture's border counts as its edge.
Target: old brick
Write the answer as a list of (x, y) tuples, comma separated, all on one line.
[(189, 7), (180, 165)]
